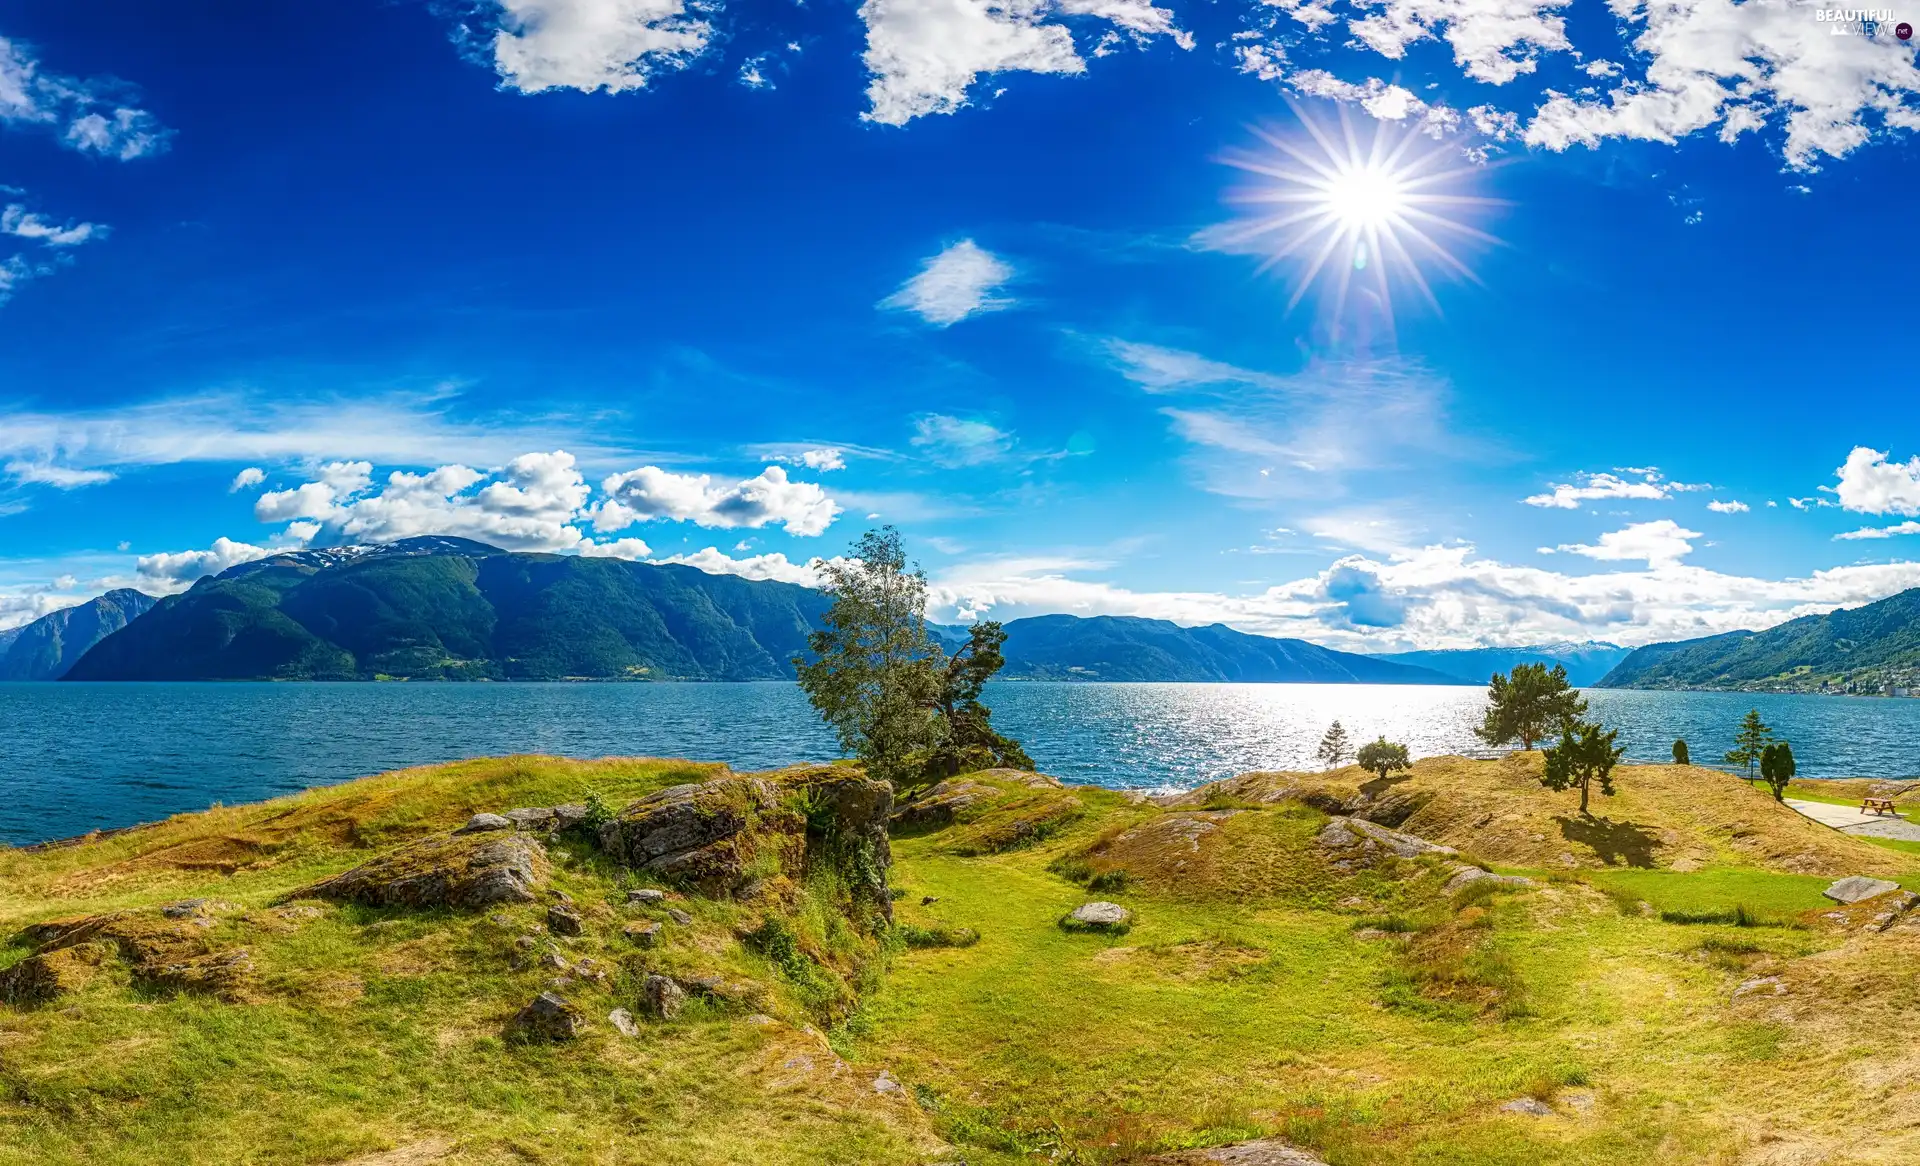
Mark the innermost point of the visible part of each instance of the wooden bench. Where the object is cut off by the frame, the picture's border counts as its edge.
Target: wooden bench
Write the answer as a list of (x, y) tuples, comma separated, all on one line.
[(1879, 806)]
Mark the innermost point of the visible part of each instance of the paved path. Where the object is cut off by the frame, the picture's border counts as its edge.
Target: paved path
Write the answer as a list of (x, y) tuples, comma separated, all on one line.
[(1854, 820)]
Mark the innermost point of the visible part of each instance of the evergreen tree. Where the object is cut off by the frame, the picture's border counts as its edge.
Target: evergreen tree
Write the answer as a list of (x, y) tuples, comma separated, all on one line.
[(1749, 742), (1334, 747), (1680, 755), (971, 742), (1777, 768), (1528, 705), (1383, 757), (1584, 754)]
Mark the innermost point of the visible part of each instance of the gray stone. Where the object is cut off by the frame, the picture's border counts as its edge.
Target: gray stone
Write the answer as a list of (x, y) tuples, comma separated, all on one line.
[(449, 871), (623, 1020), (679, 916), (482, 823), (661, 997), (186, 909), (1264, 1152), (1897, 905), (535, 818), (1531, 1107), (643, 934), (887, 1085), (1469, 875), (1858, 887), (646, 896), (1343, 833), (564, 920), (554, 961), (1761, 986), (1100, 915), (547, 1018), (569, 816)]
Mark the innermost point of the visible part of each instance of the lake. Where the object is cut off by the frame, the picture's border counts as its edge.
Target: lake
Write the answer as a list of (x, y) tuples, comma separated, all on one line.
[(77, 757)]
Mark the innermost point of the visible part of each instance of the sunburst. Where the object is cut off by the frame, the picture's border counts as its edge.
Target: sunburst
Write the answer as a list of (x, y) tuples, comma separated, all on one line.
[(1358, 213)]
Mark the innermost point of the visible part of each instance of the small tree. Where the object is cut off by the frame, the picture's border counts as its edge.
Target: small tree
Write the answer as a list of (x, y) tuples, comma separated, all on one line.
[(971, 742), (1527, 704), (1584, 754), (1383, 757), (1749, 742), (1680, 755), (1334, 747), (1777, 768)]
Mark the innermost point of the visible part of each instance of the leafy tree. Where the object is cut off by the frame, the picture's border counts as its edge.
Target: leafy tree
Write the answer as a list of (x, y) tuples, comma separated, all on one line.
[(1680, 756), (1383, 757), (876, 676), (1334, 747), (1528, 704), (1584, 754), (894, 698), (1749, 742), (1777, 768), (971, 742)]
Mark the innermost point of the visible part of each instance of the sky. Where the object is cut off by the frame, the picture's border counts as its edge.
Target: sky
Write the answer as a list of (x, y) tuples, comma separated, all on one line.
[(1385, 324)]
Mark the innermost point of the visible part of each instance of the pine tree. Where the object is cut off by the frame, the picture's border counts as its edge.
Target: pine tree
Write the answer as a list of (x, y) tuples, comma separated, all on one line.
[(1749, 742), (1680, 755), (1528, 705), (1777, 768), (1584, 754), (1334, 747)]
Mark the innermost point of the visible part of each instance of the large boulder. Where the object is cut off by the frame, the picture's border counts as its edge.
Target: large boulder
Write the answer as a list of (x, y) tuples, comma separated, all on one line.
[(165, 952), (460, 871), (1858, 887), (547, 1018)]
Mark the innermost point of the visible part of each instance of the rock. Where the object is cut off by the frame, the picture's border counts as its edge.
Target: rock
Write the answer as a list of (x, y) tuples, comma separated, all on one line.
[(187, 909), (661, 997), (484, 823), (1344, 833), (564, 920), (1858, 887), (1264, 1152), (1466, 876), (569, 817), (1098, 916), (48, 976), (679, 916), (462, 872), (929, 900), (168, 954), (1761, 986), (536, 819), (623, 1020), (1531, 1107), (643, 934), (646, 896), (548, 1018), (227, 975), (591, 971), (952, 800), (886, 1085), (554, 961)]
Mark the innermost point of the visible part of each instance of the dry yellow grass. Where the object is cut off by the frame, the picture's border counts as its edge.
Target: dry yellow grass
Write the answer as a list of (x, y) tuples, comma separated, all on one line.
[(1671, 817)]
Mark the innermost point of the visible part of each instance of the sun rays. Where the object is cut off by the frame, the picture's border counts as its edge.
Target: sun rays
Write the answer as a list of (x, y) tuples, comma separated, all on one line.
[(1356, 215)]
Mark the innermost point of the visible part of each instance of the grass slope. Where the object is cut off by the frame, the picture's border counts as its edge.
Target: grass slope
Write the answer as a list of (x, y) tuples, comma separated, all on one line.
[(1264, 988)]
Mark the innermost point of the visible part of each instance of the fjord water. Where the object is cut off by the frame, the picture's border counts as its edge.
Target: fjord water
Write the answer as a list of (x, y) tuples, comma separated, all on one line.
[(78, 757)]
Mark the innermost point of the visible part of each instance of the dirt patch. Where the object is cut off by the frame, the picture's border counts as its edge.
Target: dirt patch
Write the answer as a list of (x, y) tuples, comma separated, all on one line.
[(419, 1153)]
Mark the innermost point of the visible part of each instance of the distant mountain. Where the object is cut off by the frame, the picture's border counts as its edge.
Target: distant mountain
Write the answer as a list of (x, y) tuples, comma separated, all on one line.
[(46, 648), (449, 609), (1585, 663), (1870, 648), (1107, 647)]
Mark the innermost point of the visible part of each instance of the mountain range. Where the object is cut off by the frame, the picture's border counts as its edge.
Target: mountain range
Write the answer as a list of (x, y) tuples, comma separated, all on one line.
[(1585, 663), (1870, 648), (445, 608), (46, 648)]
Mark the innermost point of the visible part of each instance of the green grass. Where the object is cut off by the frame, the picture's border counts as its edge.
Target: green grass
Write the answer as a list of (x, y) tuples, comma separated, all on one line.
[(1715, 892)]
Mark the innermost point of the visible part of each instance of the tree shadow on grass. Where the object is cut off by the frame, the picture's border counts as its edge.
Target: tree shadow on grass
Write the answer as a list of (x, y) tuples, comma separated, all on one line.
[(1617, 843), (1380, 785)]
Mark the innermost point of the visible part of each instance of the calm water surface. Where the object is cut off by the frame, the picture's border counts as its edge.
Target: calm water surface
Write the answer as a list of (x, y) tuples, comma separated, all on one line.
[(76, 757)]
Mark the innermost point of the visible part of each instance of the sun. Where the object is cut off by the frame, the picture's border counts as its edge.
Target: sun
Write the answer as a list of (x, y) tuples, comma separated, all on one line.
[(1363, 214)]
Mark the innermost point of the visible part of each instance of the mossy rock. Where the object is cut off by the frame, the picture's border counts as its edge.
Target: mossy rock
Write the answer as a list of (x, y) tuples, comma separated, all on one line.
[(466, 872), (50, 975)]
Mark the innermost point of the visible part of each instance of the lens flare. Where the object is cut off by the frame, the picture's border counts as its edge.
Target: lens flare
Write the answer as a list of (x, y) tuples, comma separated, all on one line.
[(1363, 214)]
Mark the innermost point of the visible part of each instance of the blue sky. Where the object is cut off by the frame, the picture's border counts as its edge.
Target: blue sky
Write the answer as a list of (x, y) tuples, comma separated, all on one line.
[(728, 283)]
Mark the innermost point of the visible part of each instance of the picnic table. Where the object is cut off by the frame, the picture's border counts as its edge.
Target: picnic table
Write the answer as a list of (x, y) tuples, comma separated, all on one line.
[(1879, 806)]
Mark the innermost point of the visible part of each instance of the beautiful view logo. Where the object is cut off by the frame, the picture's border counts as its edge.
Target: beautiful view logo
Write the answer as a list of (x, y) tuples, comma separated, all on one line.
[(1855, 21)]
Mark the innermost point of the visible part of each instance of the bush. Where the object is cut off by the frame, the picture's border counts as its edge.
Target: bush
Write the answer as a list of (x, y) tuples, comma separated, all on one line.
[(914, 935)]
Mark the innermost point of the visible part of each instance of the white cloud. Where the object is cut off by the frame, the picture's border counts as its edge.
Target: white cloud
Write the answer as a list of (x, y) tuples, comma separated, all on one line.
[(776, 567), (1741, 66), (1382, 101), (961, 281), (527, 506), (954, 442), (1492, 40), (17, 221), (1569, 495), (924, 55), (59, 477), (165, 574), (1728, 507), (1662, 543), (1868, 532), (591, 45), (619, 548), (91, 117), (1870, 484), (824, 459), (650, 492), (251, 476)]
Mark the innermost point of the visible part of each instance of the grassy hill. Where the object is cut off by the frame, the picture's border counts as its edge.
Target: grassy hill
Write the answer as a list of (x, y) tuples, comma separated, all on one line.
[(1614, 1011)]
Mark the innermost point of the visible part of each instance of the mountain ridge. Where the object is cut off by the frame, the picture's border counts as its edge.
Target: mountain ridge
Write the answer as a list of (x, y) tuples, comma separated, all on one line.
[(1871, 648), (1586, 662), (46, 648)]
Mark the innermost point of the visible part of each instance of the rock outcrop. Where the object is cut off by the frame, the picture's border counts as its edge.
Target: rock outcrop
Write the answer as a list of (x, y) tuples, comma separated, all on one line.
[(1858, 887), (952, 800), (465, 872), (166, 952), (547, 1018), (1265, 1152)]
